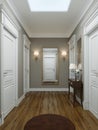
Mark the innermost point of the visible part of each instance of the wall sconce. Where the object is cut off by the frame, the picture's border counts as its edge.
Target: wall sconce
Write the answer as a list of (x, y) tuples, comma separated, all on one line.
[(36, 54), (63, 54)]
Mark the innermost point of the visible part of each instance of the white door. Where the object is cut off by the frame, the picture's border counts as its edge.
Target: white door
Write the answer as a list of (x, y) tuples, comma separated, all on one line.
[(93, 73), (26, 70), (9, 71), (49, 68)]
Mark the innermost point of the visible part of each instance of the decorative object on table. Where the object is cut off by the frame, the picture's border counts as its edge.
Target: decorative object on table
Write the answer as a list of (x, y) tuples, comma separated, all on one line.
[(72, 69), (78, 72)]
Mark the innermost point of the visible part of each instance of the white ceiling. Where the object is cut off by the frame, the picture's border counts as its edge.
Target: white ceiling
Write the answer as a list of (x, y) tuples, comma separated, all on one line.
[(50, 24)]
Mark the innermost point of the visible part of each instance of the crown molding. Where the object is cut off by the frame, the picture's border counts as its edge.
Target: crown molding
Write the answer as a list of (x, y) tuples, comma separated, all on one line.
[(82, 15), (39, 35), (18, 16), (49, 35)]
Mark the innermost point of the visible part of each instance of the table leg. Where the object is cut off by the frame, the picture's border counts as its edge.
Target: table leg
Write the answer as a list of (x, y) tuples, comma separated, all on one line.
[(81, 95), (74, 96), (69, 91)]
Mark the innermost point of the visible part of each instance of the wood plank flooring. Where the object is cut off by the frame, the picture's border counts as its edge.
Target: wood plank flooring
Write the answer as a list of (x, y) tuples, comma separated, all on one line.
[(36, 103)]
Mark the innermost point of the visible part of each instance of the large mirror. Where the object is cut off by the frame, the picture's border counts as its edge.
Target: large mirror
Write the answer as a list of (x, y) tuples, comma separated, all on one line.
[(50, 65), (72, 57), (79, 60)]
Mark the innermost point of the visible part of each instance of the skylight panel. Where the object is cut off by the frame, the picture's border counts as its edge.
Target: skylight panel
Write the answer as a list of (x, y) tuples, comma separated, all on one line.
[(49, 5)]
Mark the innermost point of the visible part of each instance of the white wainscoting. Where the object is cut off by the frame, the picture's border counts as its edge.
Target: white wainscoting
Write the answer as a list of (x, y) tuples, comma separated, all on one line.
[(20, 100)]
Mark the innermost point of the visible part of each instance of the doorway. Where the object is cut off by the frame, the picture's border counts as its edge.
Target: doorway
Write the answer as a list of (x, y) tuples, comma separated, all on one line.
[(9, 71), (93, 72), (91, 64)]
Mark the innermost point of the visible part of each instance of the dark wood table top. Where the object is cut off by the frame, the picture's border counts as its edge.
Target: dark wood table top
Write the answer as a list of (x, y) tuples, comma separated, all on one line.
[(75, 83), (49, 122)]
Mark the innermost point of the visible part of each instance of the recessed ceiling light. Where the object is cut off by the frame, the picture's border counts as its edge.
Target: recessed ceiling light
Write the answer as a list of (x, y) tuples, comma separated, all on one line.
[(49, 5)]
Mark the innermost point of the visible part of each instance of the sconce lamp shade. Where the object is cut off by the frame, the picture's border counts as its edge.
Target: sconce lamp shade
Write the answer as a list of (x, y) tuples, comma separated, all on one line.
[(63, 53), (72, 66), (80, 66), (36, 53)]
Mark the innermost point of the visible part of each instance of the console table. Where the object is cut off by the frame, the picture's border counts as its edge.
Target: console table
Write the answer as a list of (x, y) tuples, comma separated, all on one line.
[(76, 85)]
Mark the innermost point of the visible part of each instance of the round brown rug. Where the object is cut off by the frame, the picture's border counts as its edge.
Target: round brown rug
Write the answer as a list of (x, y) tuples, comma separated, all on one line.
[(49, 122)]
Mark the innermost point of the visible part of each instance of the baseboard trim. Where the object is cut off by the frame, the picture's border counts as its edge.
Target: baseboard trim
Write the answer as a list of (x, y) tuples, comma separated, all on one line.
[(78, 99), (20, 100), (48, 89), (86, 105), (17, 103), (1, 119)]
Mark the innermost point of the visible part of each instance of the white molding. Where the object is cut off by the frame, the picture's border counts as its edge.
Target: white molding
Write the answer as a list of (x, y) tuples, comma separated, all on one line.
[(20, 100), (49, 89), (24, 64), (0, 121), (7, 24), (72, 40), (49, 35), (5, 12), (1, 76), (26, 44), (38, 35), (17, 15), (78, 21), (90, 13), (86, 73), (85, 105), (90, 25)]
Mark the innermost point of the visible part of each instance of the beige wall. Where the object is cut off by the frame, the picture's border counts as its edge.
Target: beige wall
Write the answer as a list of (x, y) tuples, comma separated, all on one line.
[(20, 64), (36, 66)]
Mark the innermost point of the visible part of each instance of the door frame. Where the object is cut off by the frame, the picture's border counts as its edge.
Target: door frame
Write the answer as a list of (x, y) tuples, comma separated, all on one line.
[(26, 44), (7, 24), (95, 112), (56, 82), (90, 26)]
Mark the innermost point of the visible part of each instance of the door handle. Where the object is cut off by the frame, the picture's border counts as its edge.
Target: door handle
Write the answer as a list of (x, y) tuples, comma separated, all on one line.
[(5, 73)]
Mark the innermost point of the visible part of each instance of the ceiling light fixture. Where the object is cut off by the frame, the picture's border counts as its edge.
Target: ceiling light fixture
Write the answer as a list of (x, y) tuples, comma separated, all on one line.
[(49, 5)]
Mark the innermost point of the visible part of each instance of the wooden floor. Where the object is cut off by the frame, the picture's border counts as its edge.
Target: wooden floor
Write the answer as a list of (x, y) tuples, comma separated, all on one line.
[(36, 103)]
